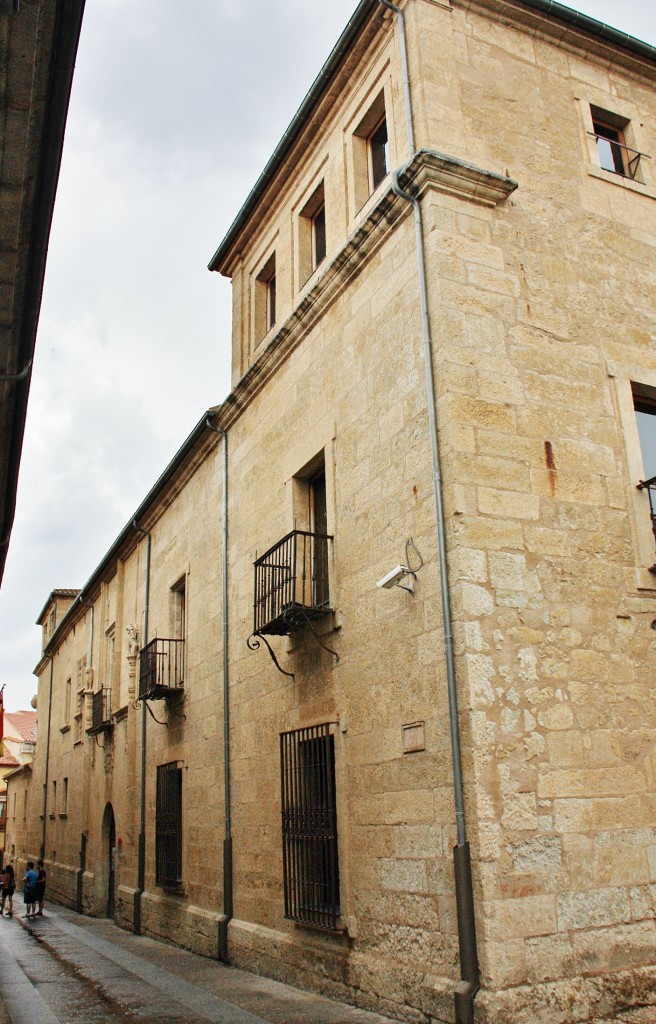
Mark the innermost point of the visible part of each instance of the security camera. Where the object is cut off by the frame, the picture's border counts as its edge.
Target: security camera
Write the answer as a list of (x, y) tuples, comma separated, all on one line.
[(397, 578)]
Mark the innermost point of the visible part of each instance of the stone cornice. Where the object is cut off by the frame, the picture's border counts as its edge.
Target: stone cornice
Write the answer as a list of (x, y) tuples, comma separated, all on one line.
[(571, 31), (427, 171)]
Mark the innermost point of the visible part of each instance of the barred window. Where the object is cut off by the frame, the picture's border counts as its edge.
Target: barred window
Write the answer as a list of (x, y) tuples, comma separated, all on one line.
[(168, 826), (309, 826)]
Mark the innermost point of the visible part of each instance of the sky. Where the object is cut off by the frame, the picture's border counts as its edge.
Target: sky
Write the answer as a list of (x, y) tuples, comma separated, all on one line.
[(175, 110)]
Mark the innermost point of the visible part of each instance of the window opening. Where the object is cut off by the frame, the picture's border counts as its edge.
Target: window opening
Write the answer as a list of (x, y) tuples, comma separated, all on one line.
[(378, 154), (645, 414), (309, 826), (610, 133), (265, 298), (168, 826), (319, 237)]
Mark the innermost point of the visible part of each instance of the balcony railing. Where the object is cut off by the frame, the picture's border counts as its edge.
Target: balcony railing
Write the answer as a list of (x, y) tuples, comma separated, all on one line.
[(101, 710), (291, 583), (617, 157), (161, 669)]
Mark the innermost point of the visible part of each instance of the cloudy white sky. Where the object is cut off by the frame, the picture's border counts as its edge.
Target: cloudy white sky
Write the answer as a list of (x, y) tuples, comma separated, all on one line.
[(176, 108)]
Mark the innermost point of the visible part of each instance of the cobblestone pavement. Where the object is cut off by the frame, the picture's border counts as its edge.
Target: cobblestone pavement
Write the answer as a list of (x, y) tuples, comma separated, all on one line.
[(67, 969)]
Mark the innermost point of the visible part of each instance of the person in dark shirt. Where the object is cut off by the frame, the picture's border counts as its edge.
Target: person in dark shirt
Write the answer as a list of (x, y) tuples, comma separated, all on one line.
[(8, 889)]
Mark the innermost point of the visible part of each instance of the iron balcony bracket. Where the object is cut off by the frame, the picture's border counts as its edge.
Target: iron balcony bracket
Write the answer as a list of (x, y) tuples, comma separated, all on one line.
[(253, 644)]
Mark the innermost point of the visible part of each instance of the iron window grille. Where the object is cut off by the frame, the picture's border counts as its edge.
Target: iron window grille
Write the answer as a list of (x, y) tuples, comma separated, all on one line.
[(101, 710), (161, 669), (168, 826), (309, 827), (291, 583)]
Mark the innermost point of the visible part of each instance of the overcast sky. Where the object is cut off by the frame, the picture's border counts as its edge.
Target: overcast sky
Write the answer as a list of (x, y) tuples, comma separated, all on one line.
[(175, 110)]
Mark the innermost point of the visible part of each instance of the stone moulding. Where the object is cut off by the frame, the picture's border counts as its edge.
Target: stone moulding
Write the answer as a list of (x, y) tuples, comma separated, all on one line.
[(426, 171)]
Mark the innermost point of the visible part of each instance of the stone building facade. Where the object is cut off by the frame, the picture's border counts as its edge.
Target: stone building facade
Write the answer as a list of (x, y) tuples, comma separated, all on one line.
[(297, 811)]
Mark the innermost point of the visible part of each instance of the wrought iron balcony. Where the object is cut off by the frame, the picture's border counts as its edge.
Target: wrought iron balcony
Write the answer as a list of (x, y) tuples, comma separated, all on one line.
[(101, 711), (291, 583), (161, 669)]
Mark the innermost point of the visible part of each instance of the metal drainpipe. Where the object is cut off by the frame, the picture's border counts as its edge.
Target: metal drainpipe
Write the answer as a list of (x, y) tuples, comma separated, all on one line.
[(47, 769), (79, 886), (226, 916), (141, 863), (469, 984)]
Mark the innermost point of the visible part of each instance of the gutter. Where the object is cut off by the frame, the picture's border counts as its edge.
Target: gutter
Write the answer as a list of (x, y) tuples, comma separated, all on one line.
[(468, 986), (141, 852), (226, 916), (47, 768)]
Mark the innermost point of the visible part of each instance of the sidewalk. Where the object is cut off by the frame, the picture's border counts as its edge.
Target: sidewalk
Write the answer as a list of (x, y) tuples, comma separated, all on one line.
[(44, 963)]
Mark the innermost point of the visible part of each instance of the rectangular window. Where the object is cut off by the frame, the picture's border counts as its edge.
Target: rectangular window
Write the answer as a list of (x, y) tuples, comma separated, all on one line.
[(265, 298), (67, 701), (644, 404), (309, 826), (312, 234), (610, 132), (25, 805), (53, 805), (371, 159), (168, 826), (64, 797), (378, 154)]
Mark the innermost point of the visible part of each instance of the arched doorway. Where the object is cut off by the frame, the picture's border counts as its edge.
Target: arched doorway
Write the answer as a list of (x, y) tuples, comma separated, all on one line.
[(109, 850)]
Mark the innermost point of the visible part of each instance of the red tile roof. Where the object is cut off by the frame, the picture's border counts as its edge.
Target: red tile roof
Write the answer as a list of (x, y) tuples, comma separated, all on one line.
[(8, 761), (21, 725)]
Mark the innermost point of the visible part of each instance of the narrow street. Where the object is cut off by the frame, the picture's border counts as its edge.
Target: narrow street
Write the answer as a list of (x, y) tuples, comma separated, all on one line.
[(67, 969)]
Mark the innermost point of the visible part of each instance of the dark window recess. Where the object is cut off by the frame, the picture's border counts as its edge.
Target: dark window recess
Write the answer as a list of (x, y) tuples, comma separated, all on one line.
[(271, 303), (309, 827), (645, 413), (378, 154), (168, 826), (319, 238), (161, 669), (101, 711)]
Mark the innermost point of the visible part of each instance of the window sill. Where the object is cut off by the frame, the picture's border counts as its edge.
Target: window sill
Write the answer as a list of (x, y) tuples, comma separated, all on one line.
[(174, 890), (618, 179), (121, 713), (77, 743), (52, 816), (63, 814), (65, 728)]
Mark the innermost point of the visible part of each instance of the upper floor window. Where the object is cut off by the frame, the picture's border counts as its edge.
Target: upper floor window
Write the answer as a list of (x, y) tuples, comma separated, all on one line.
[(312, 234), (378, 154), (371, 159), (611, 134), (265, 298)]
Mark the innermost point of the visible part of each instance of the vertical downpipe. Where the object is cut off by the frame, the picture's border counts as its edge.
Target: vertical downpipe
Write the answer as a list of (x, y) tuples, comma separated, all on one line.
[(47, 770), (141, 852), (469, 984), (226, 916)]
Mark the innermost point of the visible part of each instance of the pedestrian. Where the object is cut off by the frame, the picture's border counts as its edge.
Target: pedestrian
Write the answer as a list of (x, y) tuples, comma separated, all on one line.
[(40, 888), (8, 889), (29, 885)]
